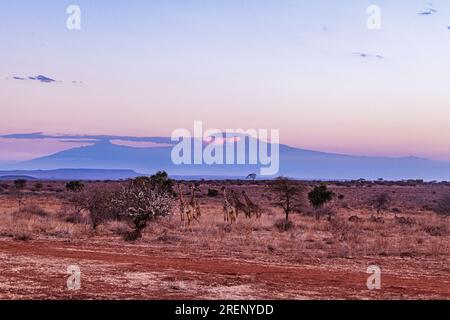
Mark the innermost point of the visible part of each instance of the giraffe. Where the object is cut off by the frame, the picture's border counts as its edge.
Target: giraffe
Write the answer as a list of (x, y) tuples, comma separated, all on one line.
[(186, 210), (229, 212), (194, 203), (251, 206), (238, 205)]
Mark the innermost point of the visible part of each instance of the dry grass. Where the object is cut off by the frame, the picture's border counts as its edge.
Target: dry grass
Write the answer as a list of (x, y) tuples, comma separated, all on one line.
[(354, 229)]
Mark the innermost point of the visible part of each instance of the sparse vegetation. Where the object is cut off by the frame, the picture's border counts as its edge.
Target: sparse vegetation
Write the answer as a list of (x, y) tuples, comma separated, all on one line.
[(353, 235)]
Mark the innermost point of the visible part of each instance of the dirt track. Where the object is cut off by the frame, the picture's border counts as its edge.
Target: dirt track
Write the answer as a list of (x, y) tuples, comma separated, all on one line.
[(113, 271)]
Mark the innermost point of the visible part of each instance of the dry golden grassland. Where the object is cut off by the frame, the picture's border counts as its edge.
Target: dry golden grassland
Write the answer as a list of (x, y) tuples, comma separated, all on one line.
[(250, 259)]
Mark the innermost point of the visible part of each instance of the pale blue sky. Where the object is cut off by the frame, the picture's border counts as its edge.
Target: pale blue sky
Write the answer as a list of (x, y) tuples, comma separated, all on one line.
[(149, 67)]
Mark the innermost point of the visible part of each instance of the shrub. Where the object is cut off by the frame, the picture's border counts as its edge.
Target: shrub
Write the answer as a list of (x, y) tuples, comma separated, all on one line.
[(142, 200), (38, 186), (213, 193), (329, 213), (34, 210), (443, 206), (19, 184), (162, 182), (22, 236), (98, 202), (284, 225), (436, 231), (319, 196), (74, 186), (381, 202)]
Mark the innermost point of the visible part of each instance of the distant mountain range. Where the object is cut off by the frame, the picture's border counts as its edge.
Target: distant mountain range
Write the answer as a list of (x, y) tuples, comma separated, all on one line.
[(106, 160), (68, 174)]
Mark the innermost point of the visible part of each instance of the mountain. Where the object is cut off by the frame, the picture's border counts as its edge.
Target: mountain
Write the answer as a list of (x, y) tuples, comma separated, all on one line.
[(15, 177), (294, 162), (68, 174)]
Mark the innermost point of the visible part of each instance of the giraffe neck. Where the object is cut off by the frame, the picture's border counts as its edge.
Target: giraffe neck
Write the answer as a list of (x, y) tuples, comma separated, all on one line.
[(225, 197), (181, 196)]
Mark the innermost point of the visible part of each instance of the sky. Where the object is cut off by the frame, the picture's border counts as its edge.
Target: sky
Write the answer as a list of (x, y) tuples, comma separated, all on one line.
[(146, 68)]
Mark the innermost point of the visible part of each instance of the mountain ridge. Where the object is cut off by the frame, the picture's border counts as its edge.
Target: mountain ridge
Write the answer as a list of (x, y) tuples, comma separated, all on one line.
[(294, 162)]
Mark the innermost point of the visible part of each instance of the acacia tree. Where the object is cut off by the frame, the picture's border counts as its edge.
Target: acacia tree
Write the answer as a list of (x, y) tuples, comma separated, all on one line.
[(288, 195), (98, 201)]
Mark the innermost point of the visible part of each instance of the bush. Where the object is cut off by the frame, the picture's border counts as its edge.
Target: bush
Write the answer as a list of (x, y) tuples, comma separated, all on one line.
[(74, 186), (284, 225), (436, 231), (35, 211), (329, 213), (142, 200), (98, 202), (19, 184), (319, 196), (381, 202), (443, 206), (213, 193), (38, 186), (162, 182), (22, 236)]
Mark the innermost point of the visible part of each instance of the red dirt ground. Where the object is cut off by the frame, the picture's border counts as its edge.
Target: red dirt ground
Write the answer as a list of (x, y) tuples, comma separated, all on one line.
[(37, 270)]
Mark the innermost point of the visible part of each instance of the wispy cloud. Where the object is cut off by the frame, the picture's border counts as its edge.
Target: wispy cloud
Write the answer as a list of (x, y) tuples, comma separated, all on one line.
[(428, 11), (42, 79), (367, 55)]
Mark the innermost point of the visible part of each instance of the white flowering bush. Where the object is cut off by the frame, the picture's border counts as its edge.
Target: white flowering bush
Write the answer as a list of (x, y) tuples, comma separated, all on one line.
[(140, 201)]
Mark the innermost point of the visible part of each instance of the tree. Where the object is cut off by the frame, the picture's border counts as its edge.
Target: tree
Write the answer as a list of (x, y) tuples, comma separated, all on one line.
[(288, 195), (98, 201), (213, 193), (162, 181), (38, 186), (74, 186), (319, 196), (381, 202), (143, 199), (20, 184)]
